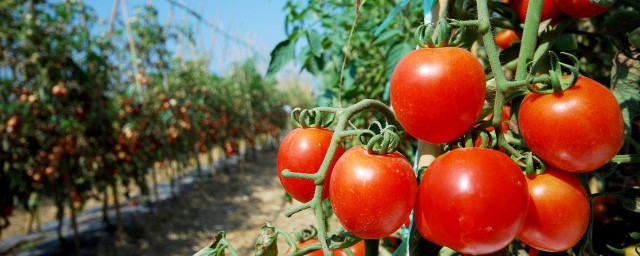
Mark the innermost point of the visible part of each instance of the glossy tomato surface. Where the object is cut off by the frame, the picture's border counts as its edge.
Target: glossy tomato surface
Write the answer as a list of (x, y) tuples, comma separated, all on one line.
[(303, 151), (580, 8), (550, 10), (438, 93), (558, 212), (578, 130), (356, 249), (372, 195), (472, 200), (505, 38)]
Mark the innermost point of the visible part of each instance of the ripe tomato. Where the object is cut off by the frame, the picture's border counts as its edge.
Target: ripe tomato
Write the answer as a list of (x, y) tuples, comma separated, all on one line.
[(505, 38), (549, 10), (558, 212), (472, 200), (438, 93), (372, 195), (580, 8), (579, 130), (356, 249), (303, 150)]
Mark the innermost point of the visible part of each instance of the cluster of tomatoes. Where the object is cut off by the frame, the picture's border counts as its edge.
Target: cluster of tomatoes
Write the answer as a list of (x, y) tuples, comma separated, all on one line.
[(473, 200)]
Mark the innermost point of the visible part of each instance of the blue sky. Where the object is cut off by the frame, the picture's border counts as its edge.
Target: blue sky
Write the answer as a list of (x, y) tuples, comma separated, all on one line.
[(261, 22)]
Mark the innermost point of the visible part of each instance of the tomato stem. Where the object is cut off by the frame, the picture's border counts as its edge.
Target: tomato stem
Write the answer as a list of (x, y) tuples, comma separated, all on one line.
[(614, 193), (626, 159)]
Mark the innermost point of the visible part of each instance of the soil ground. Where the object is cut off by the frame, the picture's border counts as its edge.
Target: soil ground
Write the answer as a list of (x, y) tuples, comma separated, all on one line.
[(239, 202)]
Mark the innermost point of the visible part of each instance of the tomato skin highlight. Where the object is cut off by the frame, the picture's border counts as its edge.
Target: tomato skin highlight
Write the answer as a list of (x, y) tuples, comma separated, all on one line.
[(303, 151), (550, 10), (438, 93), (472, 200), (580, 8), (558, 213), (372, 195), (579, 130)]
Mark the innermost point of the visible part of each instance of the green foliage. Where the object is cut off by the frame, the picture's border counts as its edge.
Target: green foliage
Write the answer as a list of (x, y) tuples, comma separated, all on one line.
[(81, 113)]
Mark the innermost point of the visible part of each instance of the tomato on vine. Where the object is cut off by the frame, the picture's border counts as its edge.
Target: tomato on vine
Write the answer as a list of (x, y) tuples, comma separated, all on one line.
[(558, 212), (438, 93), (303, 151), (581, 8), (472, 200), (578, 130), (372, 195), (550, 10), (505, 38)]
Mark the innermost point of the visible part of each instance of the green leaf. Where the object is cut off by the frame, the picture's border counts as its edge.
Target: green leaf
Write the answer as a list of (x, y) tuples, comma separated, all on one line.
[(625, 83), (390, 17), (206, 252), (280, 56), (634, 37), (389, 34), (315, 42), (266, 244), (402, 248), (395, 53)]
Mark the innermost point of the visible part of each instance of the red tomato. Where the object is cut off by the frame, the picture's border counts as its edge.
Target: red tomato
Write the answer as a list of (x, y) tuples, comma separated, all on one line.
[(472, 200), (579, 130), (505, 38), (580, 8), (356, 249), (549, 10), (303, 151), (558, 212), (372, 195), (438, 93)]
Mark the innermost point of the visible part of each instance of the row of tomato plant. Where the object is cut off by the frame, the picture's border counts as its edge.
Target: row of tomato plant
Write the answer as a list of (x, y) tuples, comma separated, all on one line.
[(533, 144), (87, 111)]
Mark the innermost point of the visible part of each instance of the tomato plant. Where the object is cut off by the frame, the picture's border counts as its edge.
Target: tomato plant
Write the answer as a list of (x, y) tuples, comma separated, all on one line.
[(472, 200), (580, 8), (427, 91), (550, 10), (303, 151), (558, 212), (564, 130), (386, 181)]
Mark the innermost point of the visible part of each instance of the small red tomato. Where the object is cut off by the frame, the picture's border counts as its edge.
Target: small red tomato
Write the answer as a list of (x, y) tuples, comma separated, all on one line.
[(580, 8), (549, 10), (578, 130), (372, 195), (558, 212), (472, 200), (356, 249), (303, 151), (438, 93), (505, 38)]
